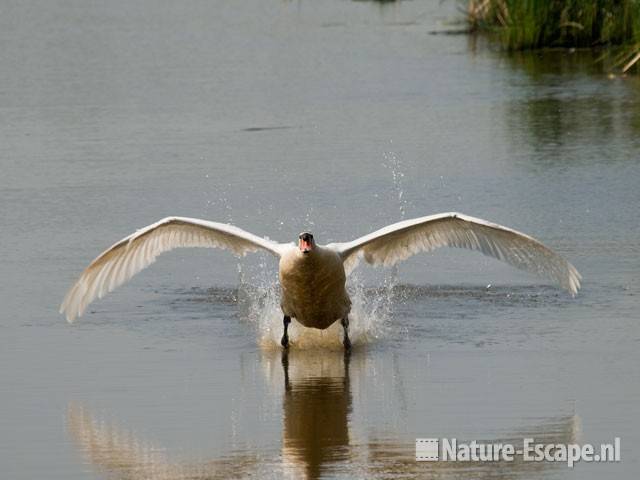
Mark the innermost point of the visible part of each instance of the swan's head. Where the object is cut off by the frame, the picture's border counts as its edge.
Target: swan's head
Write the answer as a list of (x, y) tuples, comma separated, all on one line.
[(306, 243)]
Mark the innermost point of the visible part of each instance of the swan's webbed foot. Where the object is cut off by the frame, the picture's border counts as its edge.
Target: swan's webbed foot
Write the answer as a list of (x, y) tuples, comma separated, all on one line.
[(285, 337), (345, 326)]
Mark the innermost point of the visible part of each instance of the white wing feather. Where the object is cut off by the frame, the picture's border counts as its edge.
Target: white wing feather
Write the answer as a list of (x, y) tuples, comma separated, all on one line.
[(399, 241), (132, 254)]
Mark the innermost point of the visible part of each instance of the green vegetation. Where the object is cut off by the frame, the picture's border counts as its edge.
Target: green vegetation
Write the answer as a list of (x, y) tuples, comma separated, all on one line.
[(529, 24)]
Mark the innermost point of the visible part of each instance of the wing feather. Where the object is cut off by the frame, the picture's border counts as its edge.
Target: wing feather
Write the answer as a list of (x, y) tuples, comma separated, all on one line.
[(399, 241), (132, 254)]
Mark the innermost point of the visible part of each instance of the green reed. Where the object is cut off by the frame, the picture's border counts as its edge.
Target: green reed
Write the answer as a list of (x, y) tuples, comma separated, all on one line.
[(530, 24)]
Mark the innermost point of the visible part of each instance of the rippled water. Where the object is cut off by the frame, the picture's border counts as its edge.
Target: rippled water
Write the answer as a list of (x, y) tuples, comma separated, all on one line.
[(338, 117)]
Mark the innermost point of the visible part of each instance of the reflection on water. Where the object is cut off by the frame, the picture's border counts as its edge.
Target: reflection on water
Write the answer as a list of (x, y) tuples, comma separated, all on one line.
[(121, 454), (387, 458), (570, 101), (561, 62), (317, 404)]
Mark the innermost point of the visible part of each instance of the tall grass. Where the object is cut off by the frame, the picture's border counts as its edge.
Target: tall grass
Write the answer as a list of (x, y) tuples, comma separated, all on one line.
[(529, 24)]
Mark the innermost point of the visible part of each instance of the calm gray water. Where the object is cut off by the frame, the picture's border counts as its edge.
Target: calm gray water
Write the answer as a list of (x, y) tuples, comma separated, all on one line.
[(339, 117)]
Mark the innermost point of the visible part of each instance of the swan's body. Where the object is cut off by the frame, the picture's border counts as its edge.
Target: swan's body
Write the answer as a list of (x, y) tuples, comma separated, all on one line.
[(313, 286), (312, 276)]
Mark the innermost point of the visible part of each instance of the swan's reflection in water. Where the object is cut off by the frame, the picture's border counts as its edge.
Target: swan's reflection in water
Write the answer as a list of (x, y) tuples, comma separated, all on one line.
[(120, 454), (386, 459), (317, 440), (317, 403)]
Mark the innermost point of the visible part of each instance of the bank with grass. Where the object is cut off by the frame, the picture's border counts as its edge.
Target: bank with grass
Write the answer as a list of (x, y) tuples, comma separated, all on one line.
[(532, 24)]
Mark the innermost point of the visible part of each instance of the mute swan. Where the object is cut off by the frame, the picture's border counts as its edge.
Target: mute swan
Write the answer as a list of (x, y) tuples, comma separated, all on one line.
[(313, 276)]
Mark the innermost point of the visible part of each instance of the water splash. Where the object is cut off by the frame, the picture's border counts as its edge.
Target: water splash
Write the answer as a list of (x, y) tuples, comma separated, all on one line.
[(392, 162), (259, 303)]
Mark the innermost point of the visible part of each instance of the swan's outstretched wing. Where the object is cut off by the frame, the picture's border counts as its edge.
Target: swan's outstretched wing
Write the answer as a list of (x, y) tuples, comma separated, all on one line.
[(399, 241), (139, 250)]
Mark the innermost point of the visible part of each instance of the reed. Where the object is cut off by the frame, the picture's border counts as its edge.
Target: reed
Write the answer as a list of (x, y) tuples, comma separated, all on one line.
[(530, 24)]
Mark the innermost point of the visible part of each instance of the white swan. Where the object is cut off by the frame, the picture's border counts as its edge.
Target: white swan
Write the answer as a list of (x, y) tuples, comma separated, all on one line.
[(312, 276)]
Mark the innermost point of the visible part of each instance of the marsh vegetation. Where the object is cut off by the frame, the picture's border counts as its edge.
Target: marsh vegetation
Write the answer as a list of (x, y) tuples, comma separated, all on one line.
[(531, 24)]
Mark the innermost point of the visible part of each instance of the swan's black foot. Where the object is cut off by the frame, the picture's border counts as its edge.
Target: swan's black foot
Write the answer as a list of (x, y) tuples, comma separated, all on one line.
[(285, 338), (345, 326)]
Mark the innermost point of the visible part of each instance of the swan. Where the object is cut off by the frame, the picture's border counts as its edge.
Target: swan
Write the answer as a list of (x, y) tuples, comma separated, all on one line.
[(313, 276)]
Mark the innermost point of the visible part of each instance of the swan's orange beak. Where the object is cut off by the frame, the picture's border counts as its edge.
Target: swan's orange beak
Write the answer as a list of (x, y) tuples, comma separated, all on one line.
[(305, 245), (305, 242)]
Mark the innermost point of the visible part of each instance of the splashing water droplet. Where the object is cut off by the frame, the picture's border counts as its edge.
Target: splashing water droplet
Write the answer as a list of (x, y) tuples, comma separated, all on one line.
[(394, 164)]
